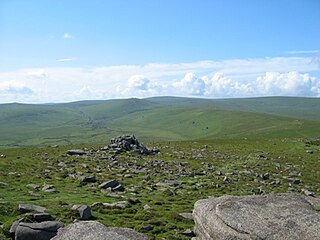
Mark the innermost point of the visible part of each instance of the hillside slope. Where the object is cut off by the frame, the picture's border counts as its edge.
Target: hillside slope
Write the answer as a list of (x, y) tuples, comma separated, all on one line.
[(160, 118)]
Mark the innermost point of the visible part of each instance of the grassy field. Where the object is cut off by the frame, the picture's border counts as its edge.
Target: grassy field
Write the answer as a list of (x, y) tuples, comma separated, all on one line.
[(197, 170), (208, 148), (159, 119)]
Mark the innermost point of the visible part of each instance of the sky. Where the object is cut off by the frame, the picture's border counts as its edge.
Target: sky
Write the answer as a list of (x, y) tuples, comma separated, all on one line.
[(62, 51)]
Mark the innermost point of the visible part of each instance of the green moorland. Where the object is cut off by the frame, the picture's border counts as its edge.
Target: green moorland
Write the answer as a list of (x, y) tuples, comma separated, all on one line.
[(208, 148), (158, 119)]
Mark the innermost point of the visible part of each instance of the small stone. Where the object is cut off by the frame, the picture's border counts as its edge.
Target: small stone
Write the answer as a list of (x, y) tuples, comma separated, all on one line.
[(76, 152), (265, 176), (186, 215), (109, 184), (146, 228), (83, 210), (188, 233)]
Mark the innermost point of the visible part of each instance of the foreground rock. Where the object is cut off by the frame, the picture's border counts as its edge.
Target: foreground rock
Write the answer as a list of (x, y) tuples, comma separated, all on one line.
[(276, 217), (88, 230), (23, 208), (127, 143), (37, 231)]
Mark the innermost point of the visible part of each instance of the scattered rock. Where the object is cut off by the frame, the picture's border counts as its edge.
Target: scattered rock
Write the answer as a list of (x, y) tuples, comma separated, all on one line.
[(120, 204), (188, 233), (186, 215), (146, 228), (282, 216), (109, 184), (83, 210), (265, 176), (40, 217), (309, 151), (3, 156), (307, 192), (114, 185), (48, 188), (87, 179), (89, 230), (23, 208), (33, 186), (76, 152), (37, 231)]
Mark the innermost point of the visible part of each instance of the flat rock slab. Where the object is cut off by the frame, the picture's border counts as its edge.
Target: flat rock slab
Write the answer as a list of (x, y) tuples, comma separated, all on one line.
[(76, 152), (268, 217), (23, 208), (37, 231), (88, 230)]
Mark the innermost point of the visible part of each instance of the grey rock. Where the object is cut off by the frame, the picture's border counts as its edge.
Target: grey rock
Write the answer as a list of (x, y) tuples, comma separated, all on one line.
[(109, 184), (13, 227), (307, 192), (83, 210), (119, 188), (268, 217), (87, 179), (89, 230), (23, 208), (37, 231), (128, 143), (33, 186), (186, 215), (76, 152), (40, 217), (121, 204), (188, 233)]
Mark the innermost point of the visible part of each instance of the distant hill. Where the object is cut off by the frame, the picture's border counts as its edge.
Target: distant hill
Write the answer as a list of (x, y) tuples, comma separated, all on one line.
[(158, 118)]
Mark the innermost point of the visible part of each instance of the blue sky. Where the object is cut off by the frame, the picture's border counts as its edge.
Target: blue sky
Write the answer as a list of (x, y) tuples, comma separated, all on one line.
[(113, 49)]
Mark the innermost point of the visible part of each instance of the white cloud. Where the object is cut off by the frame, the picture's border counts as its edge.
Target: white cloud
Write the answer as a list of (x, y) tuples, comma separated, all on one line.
[(67, 36), (303, 52), (15, 88), (38, 73), (139, 82), (66, 59), (227, 78), (190, 84), (288, 84)]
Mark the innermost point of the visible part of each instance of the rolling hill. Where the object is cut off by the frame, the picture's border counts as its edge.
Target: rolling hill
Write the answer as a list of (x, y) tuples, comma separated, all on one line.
[(159, 118)]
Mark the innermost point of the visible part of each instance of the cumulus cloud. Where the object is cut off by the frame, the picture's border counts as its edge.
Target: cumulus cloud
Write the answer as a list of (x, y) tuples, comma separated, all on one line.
[(139, 82), (14, 88), (190, 84), (212, 79), (288, 84)]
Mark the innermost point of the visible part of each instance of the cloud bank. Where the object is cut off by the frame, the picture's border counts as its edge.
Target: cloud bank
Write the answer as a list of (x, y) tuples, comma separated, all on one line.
[(212, 79)]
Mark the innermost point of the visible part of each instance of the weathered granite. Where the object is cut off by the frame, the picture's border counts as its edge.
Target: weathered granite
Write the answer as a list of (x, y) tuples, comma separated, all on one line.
[(268, 217), (88, 230)]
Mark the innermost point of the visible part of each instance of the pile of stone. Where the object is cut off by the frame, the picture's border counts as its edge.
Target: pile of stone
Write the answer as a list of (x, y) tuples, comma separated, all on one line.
[(273, 216), (129, 143)]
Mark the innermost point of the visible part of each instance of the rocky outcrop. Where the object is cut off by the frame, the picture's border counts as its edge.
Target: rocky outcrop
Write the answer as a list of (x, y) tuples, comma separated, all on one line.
[(268, 217), (128, 143), (37, 231), (88, 230)]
